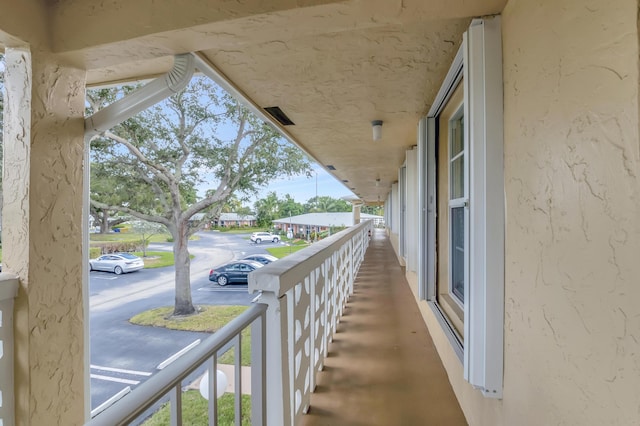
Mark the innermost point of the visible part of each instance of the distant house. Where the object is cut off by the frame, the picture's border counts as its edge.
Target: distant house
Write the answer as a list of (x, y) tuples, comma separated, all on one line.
[(305, 224), (227, 220)]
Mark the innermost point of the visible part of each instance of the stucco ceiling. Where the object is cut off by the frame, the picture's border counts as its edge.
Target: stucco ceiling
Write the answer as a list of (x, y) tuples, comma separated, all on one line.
[(331, 66)]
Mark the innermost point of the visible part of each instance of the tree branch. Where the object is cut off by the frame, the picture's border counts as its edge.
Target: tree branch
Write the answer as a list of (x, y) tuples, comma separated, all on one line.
[(122, 209), (157, 169)]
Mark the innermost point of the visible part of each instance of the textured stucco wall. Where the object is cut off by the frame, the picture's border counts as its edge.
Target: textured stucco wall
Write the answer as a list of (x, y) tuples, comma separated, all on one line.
[(24, 21), (572, 176), (42, 235)]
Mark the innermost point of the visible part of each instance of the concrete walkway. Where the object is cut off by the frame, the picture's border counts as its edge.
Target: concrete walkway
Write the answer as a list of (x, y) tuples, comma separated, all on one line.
[(383, 368)]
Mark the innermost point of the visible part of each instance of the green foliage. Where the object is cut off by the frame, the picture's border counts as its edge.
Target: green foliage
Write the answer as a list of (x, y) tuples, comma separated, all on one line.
[(156, 259), (244, 230), (326, 204), (94, 252), (209, 319), (146, 230), (157, 157), (152, 166), (267, 209), (107, 247), (128, 236), (195, 411), (289, 207), (375, 210), (271, 207)]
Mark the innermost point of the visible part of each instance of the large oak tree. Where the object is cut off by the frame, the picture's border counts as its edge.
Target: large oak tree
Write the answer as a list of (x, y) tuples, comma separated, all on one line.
[(199, 141)]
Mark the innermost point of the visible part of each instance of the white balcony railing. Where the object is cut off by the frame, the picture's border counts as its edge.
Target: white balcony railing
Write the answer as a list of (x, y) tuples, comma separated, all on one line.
[(306, 293), (169, 381), (8, 291)]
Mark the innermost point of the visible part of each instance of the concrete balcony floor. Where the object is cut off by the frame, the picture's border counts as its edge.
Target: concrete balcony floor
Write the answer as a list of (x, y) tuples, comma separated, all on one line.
[(382, 367)]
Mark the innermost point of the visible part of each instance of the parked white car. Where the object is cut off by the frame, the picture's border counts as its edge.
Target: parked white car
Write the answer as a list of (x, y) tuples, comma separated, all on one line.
[(258, 237), (117, 263)]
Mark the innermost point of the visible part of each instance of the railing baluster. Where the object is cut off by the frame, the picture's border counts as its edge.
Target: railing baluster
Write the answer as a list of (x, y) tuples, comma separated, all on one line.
[(238, 379), (169, 380), (176, 405), (258, 372), (211, 404), (214, 383)]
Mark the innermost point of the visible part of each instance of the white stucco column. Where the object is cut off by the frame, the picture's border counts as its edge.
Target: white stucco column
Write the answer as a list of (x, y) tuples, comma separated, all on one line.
[(42, 234), (356, 213)]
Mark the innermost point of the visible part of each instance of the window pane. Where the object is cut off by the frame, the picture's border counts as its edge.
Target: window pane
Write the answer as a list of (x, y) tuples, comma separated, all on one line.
[(457, 178), (457, 252), (457, 136)]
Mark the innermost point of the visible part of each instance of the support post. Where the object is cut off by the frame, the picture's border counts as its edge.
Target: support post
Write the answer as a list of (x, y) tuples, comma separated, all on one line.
[(42, 234)]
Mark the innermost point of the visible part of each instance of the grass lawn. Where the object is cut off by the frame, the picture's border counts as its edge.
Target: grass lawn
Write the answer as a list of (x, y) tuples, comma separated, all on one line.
[(195, 411), (130, 236), (239, 230), (156, 259), (210, 320), (127, 236), (283, 251)]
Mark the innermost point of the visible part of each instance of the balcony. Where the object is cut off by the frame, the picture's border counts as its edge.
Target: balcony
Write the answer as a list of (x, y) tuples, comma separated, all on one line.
[(337, 339), (382, 367)]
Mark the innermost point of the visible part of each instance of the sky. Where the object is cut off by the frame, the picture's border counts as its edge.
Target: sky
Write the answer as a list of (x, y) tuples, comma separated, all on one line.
[(302, 188)]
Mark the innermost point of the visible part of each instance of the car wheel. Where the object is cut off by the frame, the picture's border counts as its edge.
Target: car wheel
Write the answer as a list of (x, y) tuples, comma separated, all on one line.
[(275, 240), (258, 241), (90, 267), (117, 270), (222, 280)]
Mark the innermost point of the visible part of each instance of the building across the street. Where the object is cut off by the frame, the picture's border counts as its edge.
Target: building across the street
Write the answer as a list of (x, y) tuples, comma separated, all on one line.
[(305, 224), (228, 220)]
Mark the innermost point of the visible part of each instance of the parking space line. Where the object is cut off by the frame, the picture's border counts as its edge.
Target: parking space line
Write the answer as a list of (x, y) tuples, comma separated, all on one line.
[(226, 290), (114, 379), (120, 370), (178, 354)]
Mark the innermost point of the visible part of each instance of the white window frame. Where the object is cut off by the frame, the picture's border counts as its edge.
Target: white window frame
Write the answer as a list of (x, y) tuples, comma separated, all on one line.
[(459, 202), (480, 62), (402, 194)]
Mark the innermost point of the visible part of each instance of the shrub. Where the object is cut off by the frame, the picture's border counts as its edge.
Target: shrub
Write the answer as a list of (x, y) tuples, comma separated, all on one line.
[(94, 252), (107, 247)]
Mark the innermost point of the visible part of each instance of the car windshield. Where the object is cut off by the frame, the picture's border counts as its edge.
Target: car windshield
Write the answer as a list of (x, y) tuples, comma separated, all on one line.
[(128, 256)]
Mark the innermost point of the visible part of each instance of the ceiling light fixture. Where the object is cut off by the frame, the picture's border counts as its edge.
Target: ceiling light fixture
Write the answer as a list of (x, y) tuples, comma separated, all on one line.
[(377, 129)]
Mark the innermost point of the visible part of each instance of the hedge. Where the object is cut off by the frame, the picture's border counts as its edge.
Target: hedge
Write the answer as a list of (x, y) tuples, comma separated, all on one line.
[(106, 247)]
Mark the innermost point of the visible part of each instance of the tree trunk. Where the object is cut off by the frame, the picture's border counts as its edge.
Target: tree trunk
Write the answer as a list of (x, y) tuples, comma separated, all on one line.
[(104, 223), (183, 303)]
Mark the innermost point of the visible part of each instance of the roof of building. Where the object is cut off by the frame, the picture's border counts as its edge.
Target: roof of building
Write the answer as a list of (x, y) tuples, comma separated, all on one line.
[(226, 216), (325, 219), (236, 216)]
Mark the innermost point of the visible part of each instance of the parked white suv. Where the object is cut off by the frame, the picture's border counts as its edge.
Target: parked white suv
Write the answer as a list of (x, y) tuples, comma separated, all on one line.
[(258, 237)]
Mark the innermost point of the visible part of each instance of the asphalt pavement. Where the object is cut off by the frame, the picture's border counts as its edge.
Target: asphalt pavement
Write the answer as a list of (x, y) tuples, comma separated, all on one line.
[(125, 355)]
